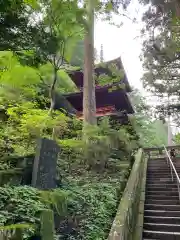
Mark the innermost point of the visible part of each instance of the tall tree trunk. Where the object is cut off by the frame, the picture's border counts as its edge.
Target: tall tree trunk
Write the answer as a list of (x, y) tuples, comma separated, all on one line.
[(89, 99), (177, 8), (52, 97)]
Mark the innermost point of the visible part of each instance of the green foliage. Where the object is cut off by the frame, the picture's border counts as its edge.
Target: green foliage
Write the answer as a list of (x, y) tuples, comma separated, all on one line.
[(15, 25), (177, 138), (47, 225), (56, 199), (151, 132), (96, 149), (89, 210), (161, 56), (17, 81), (95, 215), (94, 189), (64, 82), (94, 200), (26, 122), (77, 58), (14, 231), (20, 205), (114, 75), (27, 208), (34, 121), (92, 171)]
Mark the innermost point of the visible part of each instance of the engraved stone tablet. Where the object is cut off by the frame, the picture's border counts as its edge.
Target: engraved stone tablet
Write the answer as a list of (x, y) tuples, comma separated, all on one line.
[(45, 162)]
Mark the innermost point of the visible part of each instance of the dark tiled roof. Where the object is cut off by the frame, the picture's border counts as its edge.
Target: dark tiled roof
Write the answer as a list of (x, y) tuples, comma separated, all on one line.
[(104, 97), (77, 76)]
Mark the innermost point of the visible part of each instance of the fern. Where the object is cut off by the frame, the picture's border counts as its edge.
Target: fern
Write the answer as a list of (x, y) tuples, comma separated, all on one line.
[(55, 199)]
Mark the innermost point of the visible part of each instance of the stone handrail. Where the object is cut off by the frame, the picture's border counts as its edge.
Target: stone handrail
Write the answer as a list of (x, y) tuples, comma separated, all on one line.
[(126, 217)]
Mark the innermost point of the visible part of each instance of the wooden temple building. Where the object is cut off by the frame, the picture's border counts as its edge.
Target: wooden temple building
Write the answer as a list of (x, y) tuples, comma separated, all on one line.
[(111, 99)]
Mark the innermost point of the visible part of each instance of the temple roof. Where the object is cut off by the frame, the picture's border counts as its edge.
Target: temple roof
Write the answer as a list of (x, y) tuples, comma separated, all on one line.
[(104, 97), (77, 76)]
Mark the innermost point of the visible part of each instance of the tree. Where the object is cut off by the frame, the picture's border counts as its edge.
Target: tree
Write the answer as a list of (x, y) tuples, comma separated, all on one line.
[(103, 9), (161, 56), (15, 26), (60, 20), (78, 54), (77, 58), (89, 101), (58, 29), (58, 33), (102, 54), (152, 133)]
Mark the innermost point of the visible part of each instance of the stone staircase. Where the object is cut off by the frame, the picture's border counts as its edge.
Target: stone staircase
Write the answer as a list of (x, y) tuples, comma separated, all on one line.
[(162, 205)]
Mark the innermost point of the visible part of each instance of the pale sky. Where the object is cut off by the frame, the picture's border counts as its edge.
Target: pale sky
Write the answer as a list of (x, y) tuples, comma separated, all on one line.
[(124, 42)]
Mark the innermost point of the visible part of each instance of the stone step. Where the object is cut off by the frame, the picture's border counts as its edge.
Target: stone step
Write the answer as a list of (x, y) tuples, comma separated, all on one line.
[(162, 202), (168, 177), (158, 170), (162, 227), (162, 193), (156, 163), (160, 235), (156, 159), (162, 184), (152, 174), (163, 165), (162, 161), (162, 188), (161, 197), (162, 207), (157, 166), (159, 176), (162, 213), (159, 161), (165, 180), (167, 172), (160, 219), (152, 163), (160, 180), (156, 174)]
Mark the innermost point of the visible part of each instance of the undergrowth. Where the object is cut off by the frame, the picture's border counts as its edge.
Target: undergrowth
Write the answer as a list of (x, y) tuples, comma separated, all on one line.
[(86, 210), (91, 178)]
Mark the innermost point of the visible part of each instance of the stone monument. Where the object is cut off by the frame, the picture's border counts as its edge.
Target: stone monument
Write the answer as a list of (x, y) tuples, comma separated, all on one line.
[(45, 162)]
